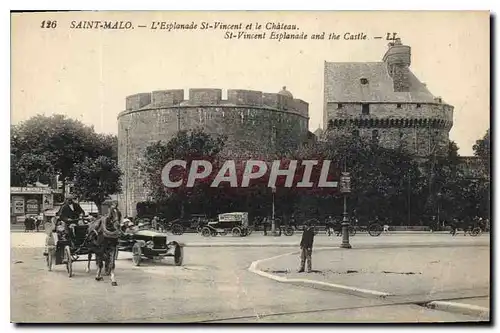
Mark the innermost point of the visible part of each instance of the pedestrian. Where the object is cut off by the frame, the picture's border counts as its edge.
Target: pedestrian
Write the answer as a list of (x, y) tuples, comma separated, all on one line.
[(264, 222), (277, 223), (329, 225), (454, 226), (154, 223), (306, 245)]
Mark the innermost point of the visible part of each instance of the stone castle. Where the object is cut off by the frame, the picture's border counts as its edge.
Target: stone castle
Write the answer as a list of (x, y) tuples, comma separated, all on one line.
[(255, 123), (385, 102), (382, 101)]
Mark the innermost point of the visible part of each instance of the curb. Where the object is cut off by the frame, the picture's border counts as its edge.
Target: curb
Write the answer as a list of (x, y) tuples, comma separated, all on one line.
[(466, 309), (337, 246), (312, 283)]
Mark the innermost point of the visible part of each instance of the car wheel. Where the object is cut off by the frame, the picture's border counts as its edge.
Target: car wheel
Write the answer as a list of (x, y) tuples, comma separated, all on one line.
[(289, 231), (236, 232), (136, 254), (177, 229), (178, 255), (205, 232)]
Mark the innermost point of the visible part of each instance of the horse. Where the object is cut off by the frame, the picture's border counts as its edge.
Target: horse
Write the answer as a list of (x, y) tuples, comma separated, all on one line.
[(102, 240)]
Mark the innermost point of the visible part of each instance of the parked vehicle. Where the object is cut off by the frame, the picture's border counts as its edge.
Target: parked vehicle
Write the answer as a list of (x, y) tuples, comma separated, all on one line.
[(193, 223), (235, 223)]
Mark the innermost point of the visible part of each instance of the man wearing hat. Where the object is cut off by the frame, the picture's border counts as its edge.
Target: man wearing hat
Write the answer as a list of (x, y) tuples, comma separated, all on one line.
[(306, 245), (70, 210)]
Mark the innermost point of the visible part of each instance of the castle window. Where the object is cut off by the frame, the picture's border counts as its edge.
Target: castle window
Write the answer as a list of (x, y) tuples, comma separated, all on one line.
[(339, 106), (364, 80), (398, 105), (355, 132), (419, 105), (375, 135), (365, 109)]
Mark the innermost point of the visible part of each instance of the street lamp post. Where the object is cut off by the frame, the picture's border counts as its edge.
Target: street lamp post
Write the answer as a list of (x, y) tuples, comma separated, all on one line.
[(345, 188), (438, 203), (273, 225)]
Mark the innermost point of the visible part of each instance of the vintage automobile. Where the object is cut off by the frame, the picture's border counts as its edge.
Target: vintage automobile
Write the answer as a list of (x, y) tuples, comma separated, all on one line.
[(195, 222), (236, 223), (150, 244)]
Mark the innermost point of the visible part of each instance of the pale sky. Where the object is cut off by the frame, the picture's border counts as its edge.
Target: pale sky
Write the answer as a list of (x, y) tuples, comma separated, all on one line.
[(87, 73)]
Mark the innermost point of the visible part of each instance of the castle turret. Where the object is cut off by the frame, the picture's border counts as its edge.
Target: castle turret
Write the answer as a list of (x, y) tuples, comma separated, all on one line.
[(398, 60)]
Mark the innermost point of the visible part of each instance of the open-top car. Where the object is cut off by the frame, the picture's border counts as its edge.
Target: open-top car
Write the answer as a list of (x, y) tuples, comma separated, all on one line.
[(195, 222), (235, 223), (150, 244)]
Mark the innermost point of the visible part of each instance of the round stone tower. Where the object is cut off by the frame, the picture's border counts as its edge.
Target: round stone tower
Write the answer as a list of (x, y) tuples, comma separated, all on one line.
[(255, 123)]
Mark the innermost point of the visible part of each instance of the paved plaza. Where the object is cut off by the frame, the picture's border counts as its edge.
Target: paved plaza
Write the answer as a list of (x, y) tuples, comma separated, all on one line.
[(215, 283)]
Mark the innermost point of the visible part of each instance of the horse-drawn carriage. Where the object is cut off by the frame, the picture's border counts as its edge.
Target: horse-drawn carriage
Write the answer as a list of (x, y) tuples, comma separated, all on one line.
[(66, 244), (150, 244), (235, 223)]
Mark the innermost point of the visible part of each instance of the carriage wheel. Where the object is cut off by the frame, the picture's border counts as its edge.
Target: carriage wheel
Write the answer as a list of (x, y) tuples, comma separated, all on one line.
[(249, 231), (69, 260), (178, 255), (236, 232), (177, 229), (289, 231), (475, 232), (375, 230), (136, 254), (205, 232), (223, 233)]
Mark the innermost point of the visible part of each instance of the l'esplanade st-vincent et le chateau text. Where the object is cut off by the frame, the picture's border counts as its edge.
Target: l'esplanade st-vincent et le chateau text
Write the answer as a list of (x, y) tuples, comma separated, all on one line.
[(233, 31)]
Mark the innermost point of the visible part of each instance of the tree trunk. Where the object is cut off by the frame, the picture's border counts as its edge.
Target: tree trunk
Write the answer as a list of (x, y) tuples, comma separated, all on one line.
[(64, 188), (99, 203)]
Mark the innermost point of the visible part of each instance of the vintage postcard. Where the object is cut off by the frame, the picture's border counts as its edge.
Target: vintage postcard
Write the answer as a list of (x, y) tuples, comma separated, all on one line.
[(250, 167)]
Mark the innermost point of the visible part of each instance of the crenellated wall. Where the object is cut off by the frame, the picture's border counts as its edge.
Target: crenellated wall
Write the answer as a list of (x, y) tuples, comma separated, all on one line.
[(255, 123), (422, 129)]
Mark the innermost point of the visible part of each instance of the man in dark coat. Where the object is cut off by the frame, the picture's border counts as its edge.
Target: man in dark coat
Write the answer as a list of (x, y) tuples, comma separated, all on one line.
[(306, 245), (70, 210)]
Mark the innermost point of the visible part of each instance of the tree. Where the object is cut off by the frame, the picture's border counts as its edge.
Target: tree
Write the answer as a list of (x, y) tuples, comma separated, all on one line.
[(58, 142), (95, 179), (30, 168), (482, 149), (188, 146)]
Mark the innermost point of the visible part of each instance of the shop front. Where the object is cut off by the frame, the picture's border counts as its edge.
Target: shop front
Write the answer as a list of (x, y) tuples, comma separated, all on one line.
[(29, 201)]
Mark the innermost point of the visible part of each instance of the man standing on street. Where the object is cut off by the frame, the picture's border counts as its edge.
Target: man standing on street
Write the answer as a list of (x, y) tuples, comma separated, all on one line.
[(306, 245)]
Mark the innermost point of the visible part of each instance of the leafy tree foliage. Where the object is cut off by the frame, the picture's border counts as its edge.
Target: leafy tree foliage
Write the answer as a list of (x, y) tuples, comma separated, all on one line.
[(95, 179), (187, 146), (482, 149), (43, 146)]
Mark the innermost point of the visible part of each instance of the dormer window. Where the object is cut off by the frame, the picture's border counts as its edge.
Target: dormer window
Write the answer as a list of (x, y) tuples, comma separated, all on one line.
[(418, 106), (339, 106), (398, 105), (364, 80)]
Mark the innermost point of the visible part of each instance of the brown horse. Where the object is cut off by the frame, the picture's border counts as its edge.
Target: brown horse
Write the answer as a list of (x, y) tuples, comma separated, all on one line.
[(102, 239)]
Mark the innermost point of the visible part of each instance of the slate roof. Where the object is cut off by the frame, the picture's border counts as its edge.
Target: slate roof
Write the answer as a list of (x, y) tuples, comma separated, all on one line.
[(342, 84)]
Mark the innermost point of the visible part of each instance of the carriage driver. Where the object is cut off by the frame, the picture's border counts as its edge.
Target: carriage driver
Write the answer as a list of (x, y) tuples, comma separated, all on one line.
[(70, 211)]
